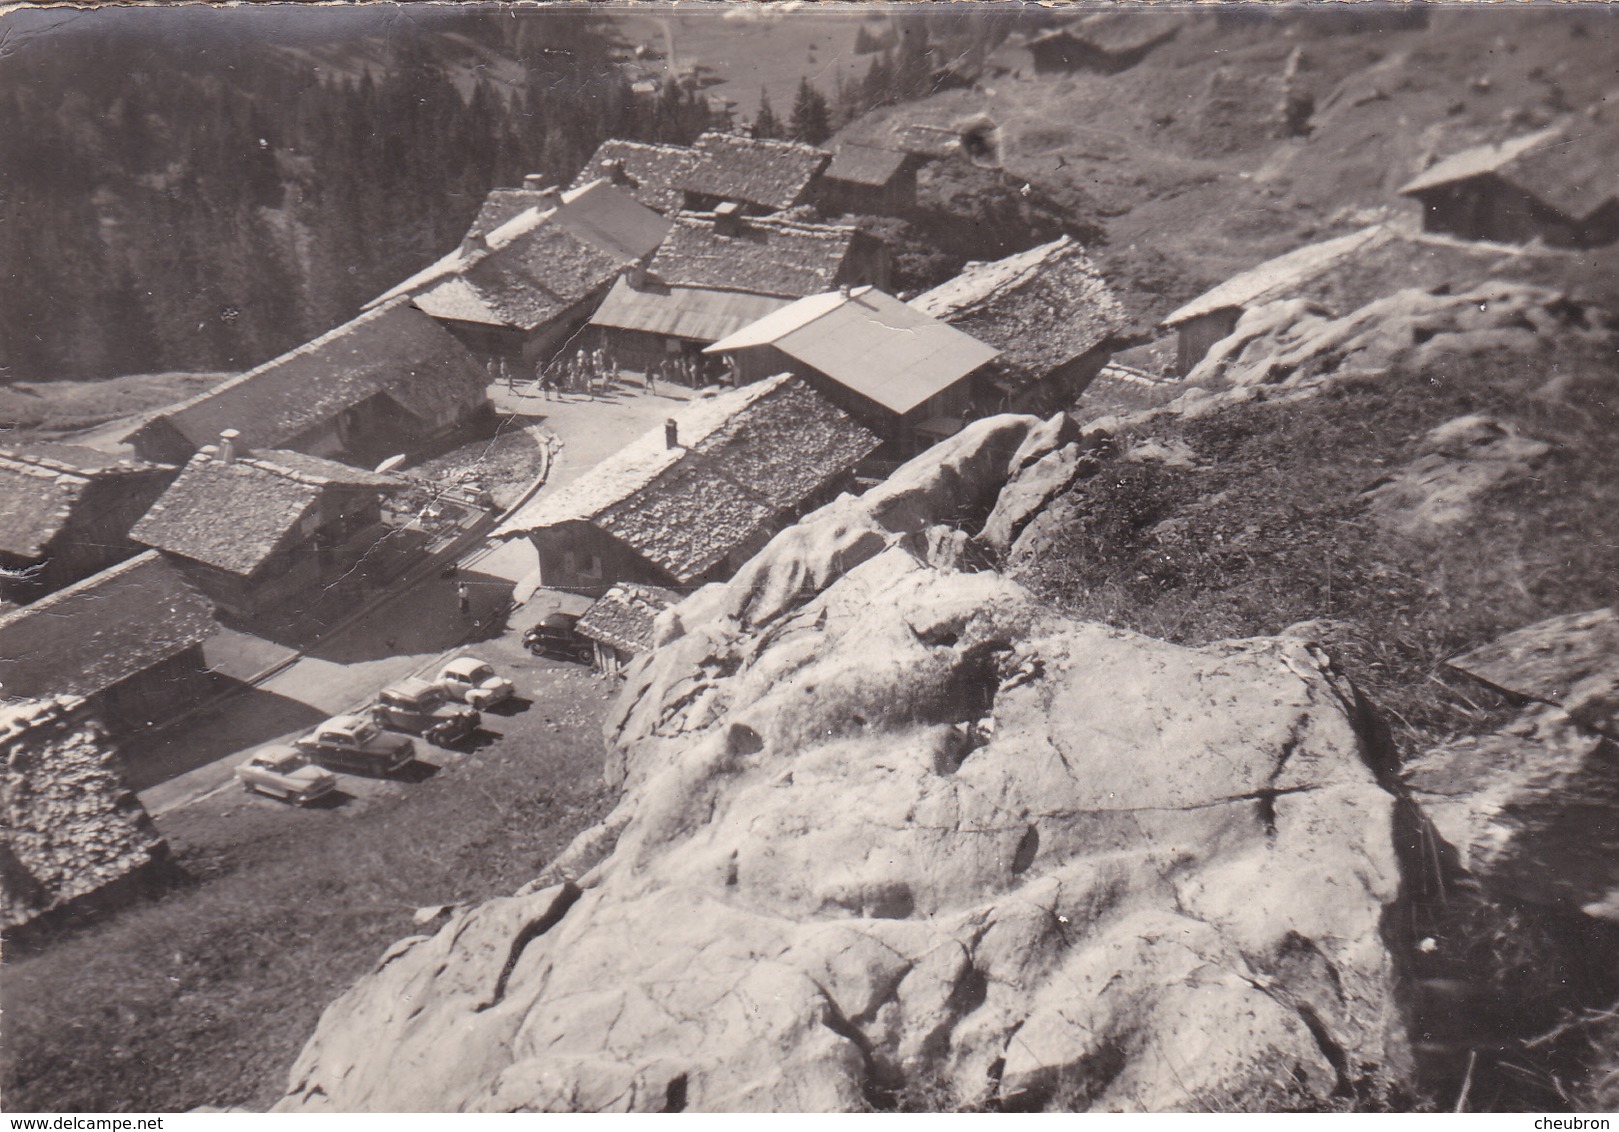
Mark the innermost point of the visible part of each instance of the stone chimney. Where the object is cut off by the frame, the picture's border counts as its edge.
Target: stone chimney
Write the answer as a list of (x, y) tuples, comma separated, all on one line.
[(534, 181), (728, 218), (613, 169), (230, 446), (671, 433), (843, 289), (475, 241), (550, 197)]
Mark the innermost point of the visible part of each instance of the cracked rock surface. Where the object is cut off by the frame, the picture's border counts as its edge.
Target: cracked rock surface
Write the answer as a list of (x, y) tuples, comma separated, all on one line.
[(897, 828)]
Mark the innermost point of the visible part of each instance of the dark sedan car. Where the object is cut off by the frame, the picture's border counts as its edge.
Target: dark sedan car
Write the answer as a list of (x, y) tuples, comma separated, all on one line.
[(558, 636), (352, 743)]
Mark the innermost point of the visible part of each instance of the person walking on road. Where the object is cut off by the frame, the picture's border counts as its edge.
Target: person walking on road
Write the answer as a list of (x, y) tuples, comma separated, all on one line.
[(463, 597)]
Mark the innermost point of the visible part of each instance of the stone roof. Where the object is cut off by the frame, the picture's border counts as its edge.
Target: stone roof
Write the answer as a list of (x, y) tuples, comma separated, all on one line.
[(1041, 308), (623, 617), (41, 484), (653, 173), (701, 314), (743, 458), (1274, 277), (87, 637), (1115, 33), (1574, 168), (393, 350), (767, 256), (866, 164), (501, 205), (869, 342), (71, 827), (235, 516), (539, 263), (771, 174)]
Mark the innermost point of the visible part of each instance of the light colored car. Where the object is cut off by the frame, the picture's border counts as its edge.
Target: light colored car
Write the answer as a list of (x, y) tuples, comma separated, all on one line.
[(475, 682), (354, 743), (282, 772)]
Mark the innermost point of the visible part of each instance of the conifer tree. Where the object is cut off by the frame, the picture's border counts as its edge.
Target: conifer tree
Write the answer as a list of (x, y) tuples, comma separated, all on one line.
[(765, 122), (811, 119)]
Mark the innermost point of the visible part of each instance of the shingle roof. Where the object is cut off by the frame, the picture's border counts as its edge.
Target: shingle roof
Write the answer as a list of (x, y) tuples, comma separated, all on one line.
[(1571, 167), (654, 172), (87, 637), (1114, 33), (235, 516), (539, 263), (35, 505), (700, 314), (394, 350), (744, 457), (871, 343), (770, 174), (766, 256), (1041, 308), (866, 164), (623, 617), (1274, 277), (501, 205)]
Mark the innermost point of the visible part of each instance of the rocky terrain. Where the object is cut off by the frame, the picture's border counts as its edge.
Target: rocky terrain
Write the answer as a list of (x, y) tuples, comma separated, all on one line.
[(993, 788)]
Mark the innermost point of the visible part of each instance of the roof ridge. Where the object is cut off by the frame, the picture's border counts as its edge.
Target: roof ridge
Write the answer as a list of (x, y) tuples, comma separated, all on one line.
[(303, 350), (761, 143), (128, 565)]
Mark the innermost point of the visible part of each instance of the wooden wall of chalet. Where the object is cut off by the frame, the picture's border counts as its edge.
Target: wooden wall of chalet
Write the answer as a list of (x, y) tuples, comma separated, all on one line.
[(156, 694), (583, 559), (1194, 336), (1489, 208)]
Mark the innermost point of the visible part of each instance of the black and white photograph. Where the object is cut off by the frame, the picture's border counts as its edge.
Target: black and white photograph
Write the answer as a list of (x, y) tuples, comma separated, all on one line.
[(801, 557)]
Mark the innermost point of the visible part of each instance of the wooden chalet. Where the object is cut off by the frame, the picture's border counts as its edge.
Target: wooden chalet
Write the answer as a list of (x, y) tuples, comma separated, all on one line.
[(716, 273), (1048, 311), (906, 375), (128, 640), (65, 513), (759, 175), (1559, 185), (388, 382), (266, 534), (689, 503), (619, 624), (518, 293), (871, 180), (1213, 315)]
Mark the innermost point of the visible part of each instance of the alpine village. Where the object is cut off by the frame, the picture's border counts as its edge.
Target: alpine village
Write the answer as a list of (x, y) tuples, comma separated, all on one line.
[(1074, 568)]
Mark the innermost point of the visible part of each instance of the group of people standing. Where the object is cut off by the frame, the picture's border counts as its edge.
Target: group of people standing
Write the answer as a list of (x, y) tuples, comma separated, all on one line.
[(592, 371)]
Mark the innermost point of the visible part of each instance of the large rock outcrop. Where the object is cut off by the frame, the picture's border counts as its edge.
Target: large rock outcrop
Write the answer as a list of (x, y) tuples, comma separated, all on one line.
[(893, 829)]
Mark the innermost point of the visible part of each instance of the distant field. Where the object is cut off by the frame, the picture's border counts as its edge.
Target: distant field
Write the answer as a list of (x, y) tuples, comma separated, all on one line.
[(67, 406), (750, 50)]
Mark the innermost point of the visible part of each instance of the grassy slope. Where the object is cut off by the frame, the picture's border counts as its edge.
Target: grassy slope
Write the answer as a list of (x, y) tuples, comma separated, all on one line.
[(55, 407), (206, 995)]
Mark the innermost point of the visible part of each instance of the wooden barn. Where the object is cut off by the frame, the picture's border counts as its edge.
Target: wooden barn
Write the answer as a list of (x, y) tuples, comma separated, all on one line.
[(689, 503), (716, 273), (1048, 311), (651, 173), (759, 175), (388, 382), (1213, 315), (65, 513), (128, 640), (517, 294), (1559, 185), (264, 535), (905, 375), (619, 624), (871, 180)]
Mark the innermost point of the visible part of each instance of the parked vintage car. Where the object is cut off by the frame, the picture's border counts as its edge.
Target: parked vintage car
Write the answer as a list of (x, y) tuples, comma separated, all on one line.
[(558, 636), (283, 772), (474, 681), (424, 708), (354, 743)]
